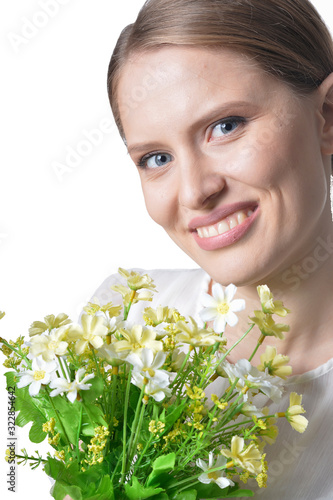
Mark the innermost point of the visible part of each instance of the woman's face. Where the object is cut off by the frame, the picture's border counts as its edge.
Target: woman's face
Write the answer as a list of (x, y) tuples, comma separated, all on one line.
[(230, 160)]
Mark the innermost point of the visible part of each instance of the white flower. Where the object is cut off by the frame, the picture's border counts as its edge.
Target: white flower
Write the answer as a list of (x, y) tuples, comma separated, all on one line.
[(251, 377), (177, 360), (91, 332), (157, 391), (40, 373), (108, 352), (148, 365), (62, 385), (220, 307), (218, 476), (111, 322), (49, 345), (250, 410)]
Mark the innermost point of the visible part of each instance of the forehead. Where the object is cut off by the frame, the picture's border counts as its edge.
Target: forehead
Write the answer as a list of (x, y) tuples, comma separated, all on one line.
[(172, 83)]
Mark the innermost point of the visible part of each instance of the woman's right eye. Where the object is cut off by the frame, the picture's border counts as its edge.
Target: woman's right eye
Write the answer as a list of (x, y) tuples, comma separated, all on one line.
[(155, 160)]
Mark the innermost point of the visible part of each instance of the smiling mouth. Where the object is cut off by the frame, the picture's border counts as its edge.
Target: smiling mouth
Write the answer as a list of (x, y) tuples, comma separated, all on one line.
[(224, 225)]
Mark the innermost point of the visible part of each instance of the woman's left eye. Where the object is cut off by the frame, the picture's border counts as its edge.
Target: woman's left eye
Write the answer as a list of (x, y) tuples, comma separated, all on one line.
[(226, 126)]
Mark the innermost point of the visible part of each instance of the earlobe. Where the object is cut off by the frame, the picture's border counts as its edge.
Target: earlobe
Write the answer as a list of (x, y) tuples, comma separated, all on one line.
[(326, 100)]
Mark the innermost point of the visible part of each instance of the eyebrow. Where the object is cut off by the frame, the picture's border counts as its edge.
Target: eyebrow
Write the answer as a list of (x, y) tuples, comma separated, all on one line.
[(211, 115)]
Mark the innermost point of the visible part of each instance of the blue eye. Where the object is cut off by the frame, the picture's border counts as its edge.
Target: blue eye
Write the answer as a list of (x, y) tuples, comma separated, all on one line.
[(155, 160), (226, 126)]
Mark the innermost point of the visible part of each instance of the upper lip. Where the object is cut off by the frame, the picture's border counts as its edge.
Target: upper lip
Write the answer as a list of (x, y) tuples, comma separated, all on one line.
[(220, 213)]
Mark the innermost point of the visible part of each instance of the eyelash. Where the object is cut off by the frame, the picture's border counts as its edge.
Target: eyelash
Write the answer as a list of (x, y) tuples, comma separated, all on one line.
[(142, 162)]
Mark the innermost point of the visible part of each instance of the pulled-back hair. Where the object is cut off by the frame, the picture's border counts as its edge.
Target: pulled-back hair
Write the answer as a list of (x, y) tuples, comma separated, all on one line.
[(287, 38)]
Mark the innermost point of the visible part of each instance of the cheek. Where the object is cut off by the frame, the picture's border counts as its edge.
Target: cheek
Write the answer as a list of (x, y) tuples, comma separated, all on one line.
[(160, 203)]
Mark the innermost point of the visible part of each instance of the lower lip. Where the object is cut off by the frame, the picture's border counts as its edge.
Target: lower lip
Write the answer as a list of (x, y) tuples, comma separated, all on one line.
[(228, 238)]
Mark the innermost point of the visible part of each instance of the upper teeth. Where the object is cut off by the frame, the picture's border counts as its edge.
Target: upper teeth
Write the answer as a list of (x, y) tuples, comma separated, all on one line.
[(224, 225)]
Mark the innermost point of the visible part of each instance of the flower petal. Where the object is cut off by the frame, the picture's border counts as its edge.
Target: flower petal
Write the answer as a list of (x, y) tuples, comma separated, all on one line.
[(231, 318), (237, 305), (219, 324), (218, 293), (207, 300), (230, 292), (208, 314)]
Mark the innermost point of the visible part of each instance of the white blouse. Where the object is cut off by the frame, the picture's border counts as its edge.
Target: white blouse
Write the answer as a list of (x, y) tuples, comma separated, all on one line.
[(299, 465)]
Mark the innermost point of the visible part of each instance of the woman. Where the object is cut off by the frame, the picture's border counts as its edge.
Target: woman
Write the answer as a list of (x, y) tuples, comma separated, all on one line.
[(226, 107)]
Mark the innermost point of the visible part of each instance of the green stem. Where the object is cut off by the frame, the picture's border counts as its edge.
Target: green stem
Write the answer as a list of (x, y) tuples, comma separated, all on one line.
[(126, 403), (180, 371), (104, 407), (137, 432), (62, 368), (18, 351), (234, 345), (260, 341), (135, 421), (114, 381), (59, 418), (128, 308), (33, 459), (78, 435), (142, 454)]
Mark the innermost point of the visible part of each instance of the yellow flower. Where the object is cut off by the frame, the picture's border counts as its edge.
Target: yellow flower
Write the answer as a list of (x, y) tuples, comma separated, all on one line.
[(275, 363), (54, 440), (156, 426), (136, 339), (38, 327), (49, 426), (262, 477), (271, 432), (220, 404), (196, 393), (93, 307), (269, 305), (246, 457), (136, 281), (91, 332), (267, 325), (154, 317), (194, 335), (293, 414), (126, 293), (2, 314)]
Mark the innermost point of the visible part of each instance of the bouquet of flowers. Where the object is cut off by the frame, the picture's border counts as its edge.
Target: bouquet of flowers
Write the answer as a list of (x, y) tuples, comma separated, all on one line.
[(124, 405)]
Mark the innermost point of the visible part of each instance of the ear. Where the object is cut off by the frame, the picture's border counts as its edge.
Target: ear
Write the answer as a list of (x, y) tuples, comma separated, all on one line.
[(326, 111)]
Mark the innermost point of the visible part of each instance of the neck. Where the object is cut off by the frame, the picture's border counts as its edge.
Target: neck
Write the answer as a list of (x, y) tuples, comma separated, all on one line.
[(306, 288)]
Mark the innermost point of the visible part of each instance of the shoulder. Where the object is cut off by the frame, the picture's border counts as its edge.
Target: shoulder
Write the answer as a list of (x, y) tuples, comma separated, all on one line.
[(170, 284)]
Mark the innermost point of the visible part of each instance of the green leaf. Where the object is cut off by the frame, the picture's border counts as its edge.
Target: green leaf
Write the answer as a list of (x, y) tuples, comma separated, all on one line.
[(164, 463), (29, 411), (60, 490), (69, 413), (213, 492), (92, 417), (241, 493), (93, 484), (161, 465), (10, 377), (186, 495), (96, 389), (174, 412), (137, 491)]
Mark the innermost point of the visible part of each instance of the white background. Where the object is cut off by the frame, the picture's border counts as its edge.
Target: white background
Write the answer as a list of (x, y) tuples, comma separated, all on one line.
[(62, 234)]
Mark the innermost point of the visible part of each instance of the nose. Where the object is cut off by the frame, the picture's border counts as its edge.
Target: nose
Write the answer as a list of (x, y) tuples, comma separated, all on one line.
[(200, 184)]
